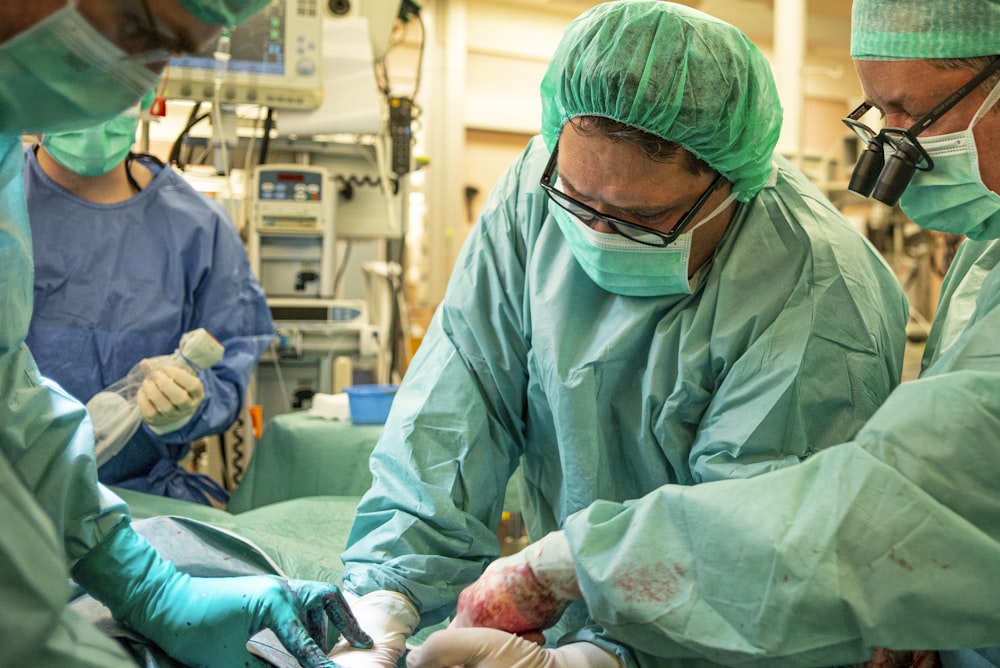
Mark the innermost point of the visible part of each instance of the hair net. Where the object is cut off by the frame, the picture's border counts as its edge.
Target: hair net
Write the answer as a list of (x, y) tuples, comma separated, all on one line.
[(919, 29), (223, 12), (674, 72)]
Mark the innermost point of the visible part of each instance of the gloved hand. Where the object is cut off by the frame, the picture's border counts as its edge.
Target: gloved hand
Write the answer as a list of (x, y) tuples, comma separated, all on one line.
[(168, 397), (489, 648), (881, 658), (389, 618), (527, 591), (207, 621)]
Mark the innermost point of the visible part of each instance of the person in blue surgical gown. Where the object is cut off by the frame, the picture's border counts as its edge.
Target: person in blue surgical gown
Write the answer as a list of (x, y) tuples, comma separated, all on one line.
[(128, 257), (63, 66), (652, 301), (888, 540)]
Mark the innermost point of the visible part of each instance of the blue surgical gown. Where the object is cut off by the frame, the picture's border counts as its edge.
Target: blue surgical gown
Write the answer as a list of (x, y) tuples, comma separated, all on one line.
[(792, 338), (116, 283), (53, 508)]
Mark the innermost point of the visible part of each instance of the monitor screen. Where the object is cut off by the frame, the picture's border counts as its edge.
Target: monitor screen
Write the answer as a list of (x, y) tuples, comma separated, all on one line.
[(274, 61)]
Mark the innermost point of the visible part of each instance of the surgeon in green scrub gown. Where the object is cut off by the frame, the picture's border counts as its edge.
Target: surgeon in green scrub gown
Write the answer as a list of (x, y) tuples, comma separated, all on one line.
[(68, 65), (613, 369), (890, 539)]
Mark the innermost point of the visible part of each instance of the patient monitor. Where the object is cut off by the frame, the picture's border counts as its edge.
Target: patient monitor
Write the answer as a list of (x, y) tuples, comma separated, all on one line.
[(274, 60)]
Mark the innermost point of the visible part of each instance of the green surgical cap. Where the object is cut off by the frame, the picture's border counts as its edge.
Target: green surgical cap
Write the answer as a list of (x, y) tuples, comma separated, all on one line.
[(674, 72), (223, 12), (922, 29)]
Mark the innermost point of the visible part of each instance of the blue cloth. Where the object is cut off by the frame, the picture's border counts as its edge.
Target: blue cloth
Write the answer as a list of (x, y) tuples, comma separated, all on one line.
[(118, 283), (792, 338)]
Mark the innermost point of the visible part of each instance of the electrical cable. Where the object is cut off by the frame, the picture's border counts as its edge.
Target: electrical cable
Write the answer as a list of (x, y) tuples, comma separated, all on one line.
[(132, 157), (347, 184), (381, 66), (277, 368), (222, 56), (243, 223), (341, 270), (383, 168), (265, 141), (397, 325), (175, 149), (193, 119), (239, 454), (420, 56), (224, 461)]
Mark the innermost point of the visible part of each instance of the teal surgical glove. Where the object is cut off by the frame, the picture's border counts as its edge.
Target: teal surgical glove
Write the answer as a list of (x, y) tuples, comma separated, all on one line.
[(207, 621), (489, 648), (524, 593)]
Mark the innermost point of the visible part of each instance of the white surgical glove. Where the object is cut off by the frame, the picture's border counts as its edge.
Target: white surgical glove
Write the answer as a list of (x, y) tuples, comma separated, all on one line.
[(527, 591), (389, 618), (168, 398), (489, 648)]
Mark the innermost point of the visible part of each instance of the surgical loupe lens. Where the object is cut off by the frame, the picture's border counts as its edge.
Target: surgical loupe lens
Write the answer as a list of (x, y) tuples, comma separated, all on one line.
[(900, 142), (895, 177), (867, 169)]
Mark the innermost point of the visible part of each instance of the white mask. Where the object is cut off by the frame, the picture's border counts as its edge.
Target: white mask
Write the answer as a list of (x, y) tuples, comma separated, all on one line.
[(951, 197)]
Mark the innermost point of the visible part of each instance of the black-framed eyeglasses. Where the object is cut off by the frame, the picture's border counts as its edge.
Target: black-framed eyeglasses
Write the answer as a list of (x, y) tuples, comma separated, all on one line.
[(885, 180), (638, 233)]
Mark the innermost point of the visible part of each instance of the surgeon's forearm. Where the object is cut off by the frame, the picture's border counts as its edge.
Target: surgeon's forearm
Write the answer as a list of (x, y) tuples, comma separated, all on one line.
[(820, 563)]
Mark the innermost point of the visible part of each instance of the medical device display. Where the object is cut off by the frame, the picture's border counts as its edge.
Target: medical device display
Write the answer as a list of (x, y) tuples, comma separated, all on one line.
[(291, 241), (274, 60)]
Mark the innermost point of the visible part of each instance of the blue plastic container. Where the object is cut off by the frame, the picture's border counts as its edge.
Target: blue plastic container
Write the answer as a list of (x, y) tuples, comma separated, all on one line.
[(369, 404)]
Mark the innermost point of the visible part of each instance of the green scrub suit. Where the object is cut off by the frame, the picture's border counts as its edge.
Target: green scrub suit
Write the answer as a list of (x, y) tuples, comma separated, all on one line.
[(891, 539), (792, 338), (53, 507)]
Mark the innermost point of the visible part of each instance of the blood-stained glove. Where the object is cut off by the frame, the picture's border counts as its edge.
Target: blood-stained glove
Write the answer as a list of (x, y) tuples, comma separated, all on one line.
[(887, 658), (169, 397), (389, 618), (203, 621), (527, 591), (489, 648)]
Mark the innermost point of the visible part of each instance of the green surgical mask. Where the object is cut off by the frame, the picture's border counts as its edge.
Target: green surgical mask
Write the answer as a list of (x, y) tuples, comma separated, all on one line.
[(622, 266), (62, 73), (93, 151), (952, 197)]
